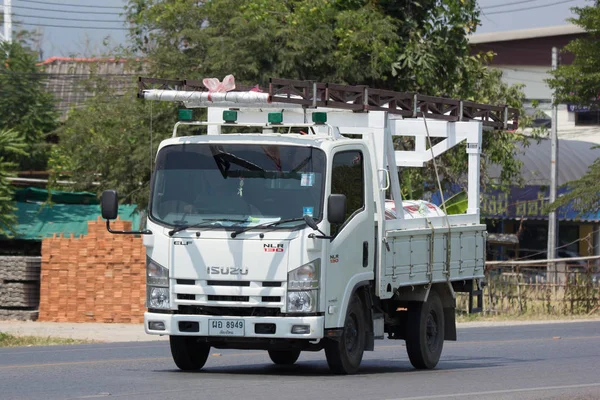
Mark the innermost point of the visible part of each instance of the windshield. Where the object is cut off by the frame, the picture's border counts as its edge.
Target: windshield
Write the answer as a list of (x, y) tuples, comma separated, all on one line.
[(237, 184)]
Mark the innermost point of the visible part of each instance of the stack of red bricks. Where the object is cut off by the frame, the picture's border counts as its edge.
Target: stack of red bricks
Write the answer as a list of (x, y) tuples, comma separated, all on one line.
[(99, 277)]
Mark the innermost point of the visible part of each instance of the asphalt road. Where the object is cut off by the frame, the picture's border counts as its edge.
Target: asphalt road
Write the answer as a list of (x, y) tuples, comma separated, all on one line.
[(549, 361)]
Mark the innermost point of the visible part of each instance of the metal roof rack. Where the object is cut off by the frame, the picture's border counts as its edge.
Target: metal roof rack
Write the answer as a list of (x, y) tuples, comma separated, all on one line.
[(311, 94)]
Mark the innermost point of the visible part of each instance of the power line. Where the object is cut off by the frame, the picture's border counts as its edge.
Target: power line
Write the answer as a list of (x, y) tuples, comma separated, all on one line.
[(70, 11), (531, 8), (68, 5), (507, 4), (68, 19), (74, 27)]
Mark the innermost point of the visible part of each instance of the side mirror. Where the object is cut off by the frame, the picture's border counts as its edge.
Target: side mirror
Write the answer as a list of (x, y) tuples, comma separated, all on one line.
[(311, 222), (110, 204), (336, 208)]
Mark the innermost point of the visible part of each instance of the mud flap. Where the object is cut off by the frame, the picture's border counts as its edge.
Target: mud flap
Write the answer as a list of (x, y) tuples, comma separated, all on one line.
[(450, 323)]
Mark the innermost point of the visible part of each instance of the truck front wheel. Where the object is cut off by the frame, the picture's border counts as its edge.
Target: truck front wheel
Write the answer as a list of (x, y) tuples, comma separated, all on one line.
[(425, 332), (188, 353), (344, 355), (284, 357)]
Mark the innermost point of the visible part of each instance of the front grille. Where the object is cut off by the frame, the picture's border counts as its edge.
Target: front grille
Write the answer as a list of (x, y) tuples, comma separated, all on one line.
[(228, 283), (230, 311), (271, 284), (186, 282), (183, 296), (276, 299), (228, 298)]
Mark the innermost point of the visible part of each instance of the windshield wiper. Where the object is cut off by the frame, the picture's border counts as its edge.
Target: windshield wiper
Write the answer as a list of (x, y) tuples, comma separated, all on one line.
[(202, 223), (265, 225)]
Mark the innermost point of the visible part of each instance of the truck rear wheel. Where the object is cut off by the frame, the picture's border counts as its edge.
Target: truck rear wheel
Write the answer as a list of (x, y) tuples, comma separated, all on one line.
[(188, 353), (344, 355), (425, 332), (284, 357)]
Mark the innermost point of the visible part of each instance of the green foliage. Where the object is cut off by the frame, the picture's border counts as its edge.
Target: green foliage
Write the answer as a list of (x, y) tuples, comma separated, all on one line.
[(106, 144), (414, 46), (11, 146), (456, 204), (583, 193), (410, 46), (578, 83), (25, 105)]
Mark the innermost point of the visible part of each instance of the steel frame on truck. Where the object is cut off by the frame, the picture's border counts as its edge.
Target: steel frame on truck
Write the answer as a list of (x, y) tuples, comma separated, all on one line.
[(449, 248)]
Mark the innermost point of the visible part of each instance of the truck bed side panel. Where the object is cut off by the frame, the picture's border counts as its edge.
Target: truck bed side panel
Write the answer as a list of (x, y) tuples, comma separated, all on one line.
[(421, 256)]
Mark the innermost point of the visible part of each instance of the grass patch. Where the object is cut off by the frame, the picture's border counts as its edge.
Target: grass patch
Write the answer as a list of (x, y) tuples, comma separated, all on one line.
[(479, 317), (8, 340)]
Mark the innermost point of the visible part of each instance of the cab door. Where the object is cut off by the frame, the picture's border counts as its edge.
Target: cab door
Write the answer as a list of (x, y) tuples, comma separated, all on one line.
[(350, 259)]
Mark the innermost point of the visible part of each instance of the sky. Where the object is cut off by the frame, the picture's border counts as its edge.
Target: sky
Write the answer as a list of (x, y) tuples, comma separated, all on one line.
[(80, 27)]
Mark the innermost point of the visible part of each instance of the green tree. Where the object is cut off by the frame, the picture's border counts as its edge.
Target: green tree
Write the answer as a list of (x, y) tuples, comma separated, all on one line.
[(415, 46), (25, 105), (411, 46), (579, 83), (106, 143), (11, 145)]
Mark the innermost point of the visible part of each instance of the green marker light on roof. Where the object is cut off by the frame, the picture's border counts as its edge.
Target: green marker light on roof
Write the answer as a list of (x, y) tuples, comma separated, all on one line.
[(185, 114), (275, 118), (229, 116), (319, 118)]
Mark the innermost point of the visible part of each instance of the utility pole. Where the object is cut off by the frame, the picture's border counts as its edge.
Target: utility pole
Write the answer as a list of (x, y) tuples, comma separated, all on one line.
[(7, 35), (552, 225)]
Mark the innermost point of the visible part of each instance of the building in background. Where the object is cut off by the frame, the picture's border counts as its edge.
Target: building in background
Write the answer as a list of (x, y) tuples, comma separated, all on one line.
[(67, 77), (525, 57)]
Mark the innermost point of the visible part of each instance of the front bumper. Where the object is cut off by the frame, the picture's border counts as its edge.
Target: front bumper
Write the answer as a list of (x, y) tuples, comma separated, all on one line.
[(283, 325)]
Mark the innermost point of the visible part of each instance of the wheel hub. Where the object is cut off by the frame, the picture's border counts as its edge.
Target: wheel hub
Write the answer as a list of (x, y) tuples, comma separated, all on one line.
[(351, 333), (432, 332)]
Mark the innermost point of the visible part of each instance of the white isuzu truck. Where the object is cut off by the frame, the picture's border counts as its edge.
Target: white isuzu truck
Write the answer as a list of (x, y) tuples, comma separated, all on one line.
[(276, 236)]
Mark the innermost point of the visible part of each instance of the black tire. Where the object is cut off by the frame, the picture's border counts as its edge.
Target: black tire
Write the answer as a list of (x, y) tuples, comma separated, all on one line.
[(344, 355), (188, 353), (284, 357), (425, 332)]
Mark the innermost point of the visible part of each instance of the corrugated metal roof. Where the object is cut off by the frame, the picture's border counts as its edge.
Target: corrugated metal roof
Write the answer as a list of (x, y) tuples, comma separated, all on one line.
[(37, 221), (67, 75), (574, 158), (525, 34)]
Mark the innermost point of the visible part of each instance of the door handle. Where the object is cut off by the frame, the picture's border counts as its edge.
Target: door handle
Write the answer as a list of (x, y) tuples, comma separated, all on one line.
[(365, 254)]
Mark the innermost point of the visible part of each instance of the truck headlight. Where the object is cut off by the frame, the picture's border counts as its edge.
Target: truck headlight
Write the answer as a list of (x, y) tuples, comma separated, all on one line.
[(157, 283), (303, 285), (305, 276), (302, 301), (156, 274), (158, 297)]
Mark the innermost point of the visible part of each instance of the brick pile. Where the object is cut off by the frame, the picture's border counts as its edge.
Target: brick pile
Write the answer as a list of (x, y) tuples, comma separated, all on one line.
[(19, 287), (99, 277)]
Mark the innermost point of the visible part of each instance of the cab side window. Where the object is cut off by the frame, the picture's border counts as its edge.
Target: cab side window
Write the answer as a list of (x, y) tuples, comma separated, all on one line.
[(348, 178)]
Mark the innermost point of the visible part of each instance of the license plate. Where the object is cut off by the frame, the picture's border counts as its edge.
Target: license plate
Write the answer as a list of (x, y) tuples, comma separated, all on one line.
[(226, 327)]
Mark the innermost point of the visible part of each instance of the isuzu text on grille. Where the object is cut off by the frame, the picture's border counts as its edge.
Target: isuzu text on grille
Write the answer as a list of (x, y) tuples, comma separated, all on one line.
[(226, 271)]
